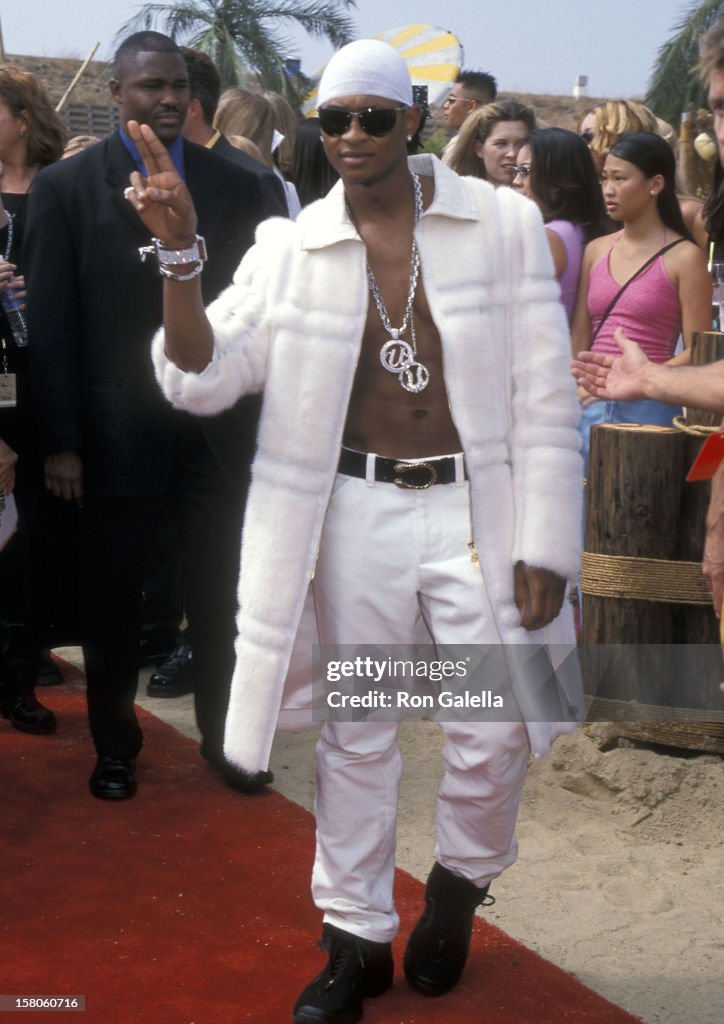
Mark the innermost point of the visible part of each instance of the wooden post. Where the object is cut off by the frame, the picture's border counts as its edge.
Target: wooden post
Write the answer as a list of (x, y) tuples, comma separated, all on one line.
[(634, 491), (64, 98), (706, 347), (639, 505), (643, 657)]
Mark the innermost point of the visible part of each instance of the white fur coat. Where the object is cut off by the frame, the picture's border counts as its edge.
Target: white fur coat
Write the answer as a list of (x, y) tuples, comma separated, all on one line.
[(291, 325)]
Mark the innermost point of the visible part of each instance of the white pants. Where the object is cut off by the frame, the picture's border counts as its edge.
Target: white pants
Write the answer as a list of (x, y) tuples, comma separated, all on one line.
[(389, 559)]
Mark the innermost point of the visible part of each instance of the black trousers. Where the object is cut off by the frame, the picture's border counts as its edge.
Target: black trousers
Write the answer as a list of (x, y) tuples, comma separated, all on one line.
[(117, 539)]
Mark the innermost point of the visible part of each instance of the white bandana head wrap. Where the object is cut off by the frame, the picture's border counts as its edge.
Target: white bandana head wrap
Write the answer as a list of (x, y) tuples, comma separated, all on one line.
[(367, 67)]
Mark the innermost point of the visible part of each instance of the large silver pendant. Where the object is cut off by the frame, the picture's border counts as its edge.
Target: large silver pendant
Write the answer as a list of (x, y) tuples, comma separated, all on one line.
[(396, 355), (415, 377)]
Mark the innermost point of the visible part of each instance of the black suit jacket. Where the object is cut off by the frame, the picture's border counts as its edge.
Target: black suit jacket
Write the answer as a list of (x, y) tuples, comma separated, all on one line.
[(93, 307)]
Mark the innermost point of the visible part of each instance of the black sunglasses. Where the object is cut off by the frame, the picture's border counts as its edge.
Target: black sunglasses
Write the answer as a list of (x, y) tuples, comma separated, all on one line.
[(587, 136), (376, 121)]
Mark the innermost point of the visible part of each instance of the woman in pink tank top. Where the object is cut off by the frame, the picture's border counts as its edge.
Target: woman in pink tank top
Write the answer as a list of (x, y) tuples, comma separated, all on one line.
[(671, 297)]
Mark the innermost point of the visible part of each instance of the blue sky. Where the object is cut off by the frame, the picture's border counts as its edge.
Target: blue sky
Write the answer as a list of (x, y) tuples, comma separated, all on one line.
[(533, 47)]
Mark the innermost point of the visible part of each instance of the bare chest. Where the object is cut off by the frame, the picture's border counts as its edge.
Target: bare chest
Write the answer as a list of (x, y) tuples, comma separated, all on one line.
[(399, 403)]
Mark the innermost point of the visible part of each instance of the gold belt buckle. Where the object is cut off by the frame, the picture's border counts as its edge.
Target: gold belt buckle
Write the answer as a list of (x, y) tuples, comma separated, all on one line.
[(407, 467)]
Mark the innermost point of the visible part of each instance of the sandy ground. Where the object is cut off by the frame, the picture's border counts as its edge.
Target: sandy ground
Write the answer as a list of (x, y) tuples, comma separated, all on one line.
[(620, 878)]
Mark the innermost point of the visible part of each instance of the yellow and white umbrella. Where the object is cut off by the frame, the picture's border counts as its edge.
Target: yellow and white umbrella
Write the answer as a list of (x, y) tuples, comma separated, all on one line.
[(433, 55)]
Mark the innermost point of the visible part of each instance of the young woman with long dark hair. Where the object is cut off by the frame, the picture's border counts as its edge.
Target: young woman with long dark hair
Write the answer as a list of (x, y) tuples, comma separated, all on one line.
[(667, 285), (556, 171)]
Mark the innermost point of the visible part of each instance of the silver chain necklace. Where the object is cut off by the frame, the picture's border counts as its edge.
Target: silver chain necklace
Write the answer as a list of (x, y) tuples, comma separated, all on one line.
[(397, 355)]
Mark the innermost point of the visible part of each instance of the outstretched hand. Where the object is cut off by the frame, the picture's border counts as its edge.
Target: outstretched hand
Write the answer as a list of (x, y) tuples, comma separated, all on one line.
[(610, 377), (162, 199)]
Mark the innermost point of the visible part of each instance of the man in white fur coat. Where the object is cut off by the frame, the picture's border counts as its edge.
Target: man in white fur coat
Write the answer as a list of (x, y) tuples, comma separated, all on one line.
[(418, 456)]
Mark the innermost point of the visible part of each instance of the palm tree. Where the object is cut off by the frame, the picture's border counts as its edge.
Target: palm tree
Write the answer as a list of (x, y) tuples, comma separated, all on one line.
[(674, 83), (242, 36)]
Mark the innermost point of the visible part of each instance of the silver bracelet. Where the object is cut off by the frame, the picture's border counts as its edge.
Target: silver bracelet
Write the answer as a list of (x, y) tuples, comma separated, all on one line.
[(182, 277), (166, 257)]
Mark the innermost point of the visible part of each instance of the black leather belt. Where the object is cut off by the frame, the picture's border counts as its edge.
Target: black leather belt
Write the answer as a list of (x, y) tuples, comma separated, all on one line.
[(417, 476)]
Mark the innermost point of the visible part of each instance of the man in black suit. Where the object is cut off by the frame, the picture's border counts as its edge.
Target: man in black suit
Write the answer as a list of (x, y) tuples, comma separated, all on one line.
[(113, 445)]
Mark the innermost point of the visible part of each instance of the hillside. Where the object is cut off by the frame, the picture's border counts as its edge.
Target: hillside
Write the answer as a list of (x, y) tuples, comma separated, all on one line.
[(57, 74), (555, 111)]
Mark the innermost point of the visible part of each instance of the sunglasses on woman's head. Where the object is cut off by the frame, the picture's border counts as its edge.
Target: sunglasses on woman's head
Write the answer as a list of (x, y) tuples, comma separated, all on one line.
[(376, 121)]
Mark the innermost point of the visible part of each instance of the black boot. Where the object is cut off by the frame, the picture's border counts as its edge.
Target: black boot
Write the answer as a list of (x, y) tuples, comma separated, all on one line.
[(440, 941), (357, 969), (19, 703), (174, 678), (18, 672)]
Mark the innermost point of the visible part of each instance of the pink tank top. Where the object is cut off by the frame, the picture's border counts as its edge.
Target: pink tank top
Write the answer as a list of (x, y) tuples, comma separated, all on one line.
[(649, 311)]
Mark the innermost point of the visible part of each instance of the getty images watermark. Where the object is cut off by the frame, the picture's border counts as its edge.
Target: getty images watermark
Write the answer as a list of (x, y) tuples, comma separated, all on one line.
[(509, 682), (410, 696), (461, 682)]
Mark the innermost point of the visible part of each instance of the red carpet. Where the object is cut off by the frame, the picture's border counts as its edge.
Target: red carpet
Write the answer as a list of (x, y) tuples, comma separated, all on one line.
[(190, 903)]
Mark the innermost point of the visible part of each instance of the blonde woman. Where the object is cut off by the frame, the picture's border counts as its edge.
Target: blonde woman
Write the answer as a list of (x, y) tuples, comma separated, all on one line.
[(604, 125), (250, 114), (285, 128), (283, 142)]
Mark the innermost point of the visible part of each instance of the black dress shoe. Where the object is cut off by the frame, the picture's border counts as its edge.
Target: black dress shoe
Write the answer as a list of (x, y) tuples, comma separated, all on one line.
[(156, 647), (174, 678), (113, 778), (237, 778), (358, 969), (438, 947), (25, 711)]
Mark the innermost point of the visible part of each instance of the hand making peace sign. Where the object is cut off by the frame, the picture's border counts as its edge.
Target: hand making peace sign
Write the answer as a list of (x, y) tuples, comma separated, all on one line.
[(161, 200)]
